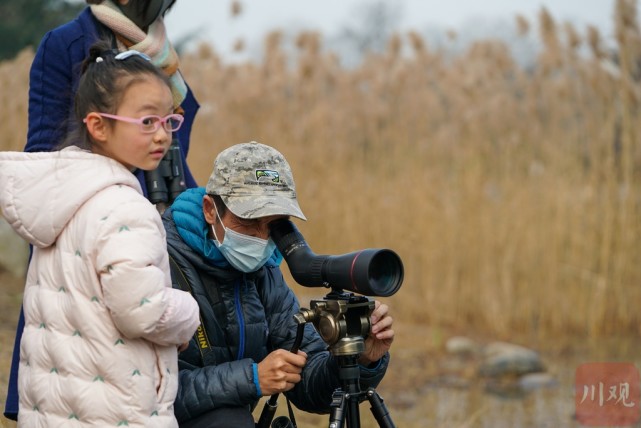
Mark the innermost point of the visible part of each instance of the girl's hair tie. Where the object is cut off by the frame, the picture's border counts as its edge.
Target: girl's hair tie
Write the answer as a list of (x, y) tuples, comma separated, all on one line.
[(132, 52)]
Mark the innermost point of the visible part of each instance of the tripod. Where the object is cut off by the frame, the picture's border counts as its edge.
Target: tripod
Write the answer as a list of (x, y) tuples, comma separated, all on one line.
[(342, 320), (346, 400)]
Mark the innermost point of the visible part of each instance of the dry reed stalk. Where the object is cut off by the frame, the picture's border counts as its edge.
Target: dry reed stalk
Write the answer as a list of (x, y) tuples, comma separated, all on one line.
[(552, 55), (629, 155), (236, 8), (239, 45), (572, 36), (522, 25), (594, 41), (629, 40), (14, 75)]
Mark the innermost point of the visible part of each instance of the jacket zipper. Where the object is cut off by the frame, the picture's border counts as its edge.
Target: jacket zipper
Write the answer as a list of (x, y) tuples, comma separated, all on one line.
[(241, 321)]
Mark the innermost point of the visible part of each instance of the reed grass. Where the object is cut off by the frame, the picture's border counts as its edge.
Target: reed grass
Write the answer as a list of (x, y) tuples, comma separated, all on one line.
[(512, 195)]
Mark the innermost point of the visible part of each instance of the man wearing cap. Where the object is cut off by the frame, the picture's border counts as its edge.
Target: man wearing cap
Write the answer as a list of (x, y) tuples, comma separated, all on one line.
[(220, 249)]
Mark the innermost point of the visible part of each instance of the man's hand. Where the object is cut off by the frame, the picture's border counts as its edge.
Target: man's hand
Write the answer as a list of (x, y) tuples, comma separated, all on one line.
[(381, 335), (280, 371)]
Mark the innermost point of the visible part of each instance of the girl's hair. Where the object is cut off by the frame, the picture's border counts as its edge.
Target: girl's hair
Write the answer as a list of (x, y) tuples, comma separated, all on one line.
[(103, 84)]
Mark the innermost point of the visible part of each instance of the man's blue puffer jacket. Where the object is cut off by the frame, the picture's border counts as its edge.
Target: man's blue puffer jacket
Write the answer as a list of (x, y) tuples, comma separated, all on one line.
[(255, 316)]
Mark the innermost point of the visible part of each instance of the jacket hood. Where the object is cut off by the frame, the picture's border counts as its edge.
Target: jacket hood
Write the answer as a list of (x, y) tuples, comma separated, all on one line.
[(41, 192)]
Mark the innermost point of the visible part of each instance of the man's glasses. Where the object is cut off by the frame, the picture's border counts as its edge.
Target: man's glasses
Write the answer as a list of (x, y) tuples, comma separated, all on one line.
[(150, 124)]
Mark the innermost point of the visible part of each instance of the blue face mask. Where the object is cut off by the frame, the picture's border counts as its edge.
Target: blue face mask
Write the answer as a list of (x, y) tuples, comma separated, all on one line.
[(245, 253)]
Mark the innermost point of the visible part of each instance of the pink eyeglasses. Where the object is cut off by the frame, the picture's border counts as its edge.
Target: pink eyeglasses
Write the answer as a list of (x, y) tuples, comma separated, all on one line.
[(150, 124)]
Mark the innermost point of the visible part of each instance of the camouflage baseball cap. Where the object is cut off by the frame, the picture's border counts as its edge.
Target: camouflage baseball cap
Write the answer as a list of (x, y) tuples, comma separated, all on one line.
[(254, 180)]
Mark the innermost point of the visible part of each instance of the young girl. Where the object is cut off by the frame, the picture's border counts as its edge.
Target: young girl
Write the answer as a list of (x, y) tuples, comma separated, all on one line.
[(102, 323), (54, 76)]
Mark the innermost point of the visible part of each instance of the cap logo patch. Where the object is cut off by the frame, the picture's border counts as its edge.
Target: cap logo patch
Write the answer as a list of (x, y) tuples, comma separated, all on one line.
[(267, 174)]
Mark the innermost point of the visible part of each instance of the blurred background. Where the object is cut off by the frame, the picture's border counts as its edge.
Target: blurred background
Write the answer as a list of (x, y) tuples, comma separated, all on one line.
[(495, 150)]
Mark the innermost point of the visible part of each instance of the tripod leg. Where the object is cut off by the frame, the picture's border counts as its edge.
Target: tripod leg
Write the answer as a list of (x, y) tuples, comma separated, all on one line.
[(337, 415), (379, 410), (353, 412)]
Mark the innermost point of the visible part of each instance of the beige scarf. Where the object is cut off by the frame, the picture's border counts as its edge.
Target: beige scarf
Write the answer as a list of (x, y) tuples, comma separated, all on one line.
[(153, 43)]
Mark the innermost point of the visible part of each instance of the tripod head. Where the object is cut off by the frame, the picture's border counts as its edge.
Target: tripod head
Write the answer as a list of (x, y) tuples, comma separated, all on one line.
[(342, 319)]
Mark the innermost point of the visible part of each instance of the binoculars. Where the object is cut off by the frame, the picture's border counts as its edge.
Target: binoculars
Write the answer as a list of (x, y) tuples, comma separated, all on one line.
[(167, 181)]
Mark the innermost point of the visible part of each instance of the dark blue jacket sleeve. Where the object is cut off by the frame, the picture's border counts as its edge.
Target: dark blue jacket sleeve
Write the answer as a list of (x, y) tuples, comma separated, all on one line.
[(53, 79), (201, 389), (11, 405)]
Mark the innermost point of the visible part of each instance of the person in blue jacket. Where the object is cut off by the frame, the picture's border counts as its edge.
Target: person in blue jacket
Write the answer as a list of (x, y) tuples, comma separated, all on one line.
[(219, 243), (53, 80)]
